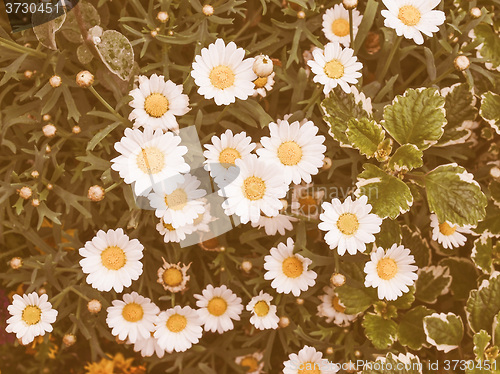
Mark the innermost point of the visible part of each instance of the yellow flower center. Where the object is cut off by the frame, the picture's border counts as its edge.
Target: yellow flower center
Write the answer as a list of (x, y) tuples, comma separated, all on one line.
[(446, 229), (113, 258), (261, 308), (132, 312), (254, 188), (292, 267), (32, 315), (251, 363), (260, 82), (156, 105), (221, 77), (150, 160), (176, 323), (177, 200), (172, 277), (289, 153), (308, 205), (309, 368), (228, 156), (348, 223), (409, 15), (217, 306), (334, 69), (340, 27), (387, 268), (336, 305)]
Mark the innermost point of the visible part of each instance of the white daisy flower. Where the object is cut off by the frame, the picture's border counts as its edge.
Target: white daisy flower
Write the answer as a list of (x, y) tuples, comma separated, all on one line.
[(177, 329), (447, 234), (335, 66), (252, 363), (173, 277), (202, 222), (148, 347), (277, 224), (148, 158), (219, 306), (412, 18), (263, 84), (133, 318), (288, 271), (306, 200), (224, 151), (171, 234), (157, 102), (332, 308), (111, 260), (391, 271), (257, 188), (295, 148), (222, 73), (263, 312), (336, 24), (309, 360), (350, 224), (32, 316), (178, 203)]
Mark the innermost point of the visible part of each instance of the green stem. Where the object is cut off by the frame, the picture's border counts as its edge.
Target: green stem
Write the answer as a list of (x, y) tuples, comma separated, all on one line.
[(80, 294), (20, 48), (172, 299), (106, 104), (419, 70), (442, 76), (388, 62), (112, 187), (351, 31)]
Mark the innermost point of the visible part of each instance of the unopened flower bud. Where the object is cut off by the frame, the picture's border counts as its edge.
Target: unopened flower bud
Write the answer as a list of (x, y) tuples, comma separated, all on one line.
[(69, 340), (25, 192), (475, 12), (46, 117), (84, 79), (95, 193), (16, 262), (48, 149), (246, 266), (28, 74), (94, 306), (35, 174), (208, 10), (329, 351), (461, 63), (263, 66), (301, 14), (42, 291), (35, 202), (162, 17), (299, 301), (337, 279), (55, 81), (350, 4), (76, 129), (50, 186), (49, 130), (284, 322), (154, 33), (327, 163), (495, 172)]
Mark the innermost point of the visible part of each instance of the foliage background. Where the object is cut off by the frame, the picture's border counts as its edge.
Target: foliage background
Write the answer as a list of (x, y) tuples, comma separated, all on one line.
[(47, 237)]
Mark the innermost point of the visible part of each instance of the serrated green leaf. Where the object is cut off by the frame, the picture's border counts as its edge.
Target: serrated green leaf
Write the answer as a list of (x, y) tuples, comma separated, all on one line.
[(444, 331), (417, 117), (491, 223), (406, 300), (419, 246), (381, 332), (365, 134), (356, 299), (388, 195), (390, 233), (490, 46), (463, 274), (484, 304), (406, 158), (485, 252), (433, 281), (116, 53), (490, 109), (454, 196), (392, 364), (411, 328)]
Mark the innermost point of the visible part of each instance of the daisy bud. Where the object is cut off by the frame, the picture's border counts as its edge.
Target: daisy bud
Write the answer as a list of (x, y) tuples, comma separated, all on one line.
[(475, 12), (48, 149), (35, 202), (350, 4), (208, 10), (35, 174), (299, 301), (95, 193), (263, 66), (28, 74), (284, 322), (329, 351), (16, 263), (246, 266), (55, 81), (154, 33), (49, 130), (495, 172), (46, 117), (25, 192), (327, 163), (162, 17), (76, 129), (84, 79), (94, 306), (337, 279), (42, 291), (357, 353), (69, 340), (170, 32), (301, 14), (461, 63), (50, 186)]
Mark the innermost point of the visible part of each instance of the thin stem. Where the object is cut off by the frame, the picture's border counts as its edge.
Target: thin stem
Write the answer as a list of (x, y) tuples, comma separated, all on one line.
[(442, 76), (112, 187), (351, 31), (83, 30), (106, 104), (20, 48), (388, 62)]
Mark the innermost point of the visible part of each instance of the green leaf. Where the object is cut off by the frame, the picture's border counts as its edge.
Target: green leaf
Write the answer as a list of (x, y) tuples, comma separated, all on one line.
[(356, 299), (417, 117), (433, 281), (419, 246), (46, 28), (463, 274), (392, 364), (444, 331), (365, 134), (406, 158), (490, 109), (454, 195), (406, 300), (117, 54), (338, 108), (388, 195), (485, 253), (411, 328), (381, 332), (484, 304), (390, 233), (494, 188), (490, 39), (491, 223), (90, 18), (481, 340)]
